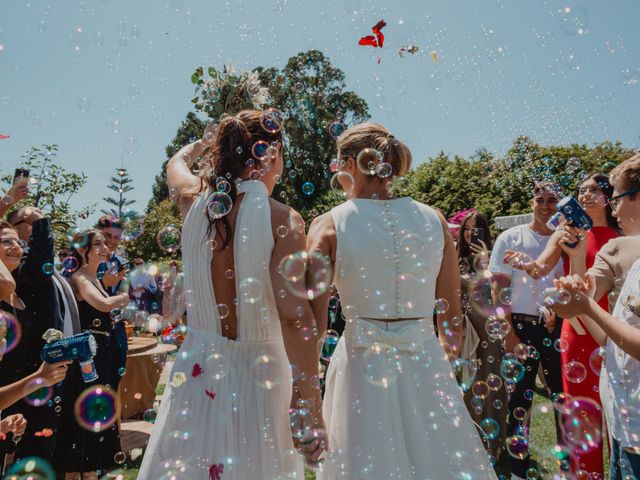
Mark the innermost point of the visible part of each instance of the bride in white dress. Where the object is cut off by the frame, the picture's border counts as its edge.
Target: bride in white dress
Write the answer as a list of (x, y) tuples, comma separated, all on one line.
[(225, 413), (392, 407)]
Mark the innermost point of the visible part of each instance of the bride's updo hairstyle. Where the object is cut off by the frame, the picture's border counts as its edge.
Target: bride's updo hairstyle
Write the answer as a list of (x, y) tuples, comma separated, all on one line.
[(375, 150), (245, 140)]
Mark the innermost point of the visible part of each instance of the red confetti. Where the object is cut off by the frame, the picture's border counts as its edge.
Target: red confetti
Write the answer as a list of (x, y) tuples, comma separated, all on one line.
[(211, 395), (196, 371), (45, 432), (377, 39), (3, 437), (2, 137), (215, 471)]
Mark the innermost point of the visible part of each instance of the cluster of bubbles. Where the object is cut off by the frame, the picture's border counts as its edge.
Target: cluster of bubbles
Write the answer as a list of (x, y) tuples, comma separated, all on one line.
[(307, 275)]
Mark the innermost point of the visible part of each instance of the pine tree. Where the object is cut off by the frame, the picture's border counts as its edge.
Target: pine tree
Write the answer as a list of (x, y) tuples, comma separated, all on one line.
[(120, 183)]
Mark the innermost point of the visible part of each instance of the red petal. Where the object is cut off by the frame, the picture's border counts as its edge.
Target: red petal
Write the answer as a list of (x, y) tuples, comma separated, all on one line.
[(211, 395), (368, 40), (196, 371), (379, 26), (2, 137), (380, 37)]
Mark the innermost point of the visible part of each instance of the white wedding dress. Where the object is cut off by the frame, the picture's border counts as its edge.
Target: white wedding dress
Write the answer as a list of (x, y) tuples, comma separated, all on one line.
[(229, 420), (392, 406)]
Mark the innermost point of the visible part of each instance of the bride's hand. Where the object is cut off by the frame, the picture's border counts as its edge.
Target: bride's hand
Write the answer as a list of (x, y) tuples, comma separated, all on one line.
[(313, 445)]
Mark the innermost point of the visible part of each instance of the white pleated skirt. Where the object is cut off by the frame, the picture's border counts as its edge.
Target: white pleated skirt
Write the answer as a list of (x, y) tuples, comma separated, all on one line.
[(394, 414)]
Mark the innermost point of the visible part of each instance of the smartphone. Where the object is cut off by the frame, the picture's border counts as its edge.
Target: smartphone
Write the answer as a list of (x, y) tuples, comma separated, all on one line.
[(21, 177), (476, 235), (125, 266)]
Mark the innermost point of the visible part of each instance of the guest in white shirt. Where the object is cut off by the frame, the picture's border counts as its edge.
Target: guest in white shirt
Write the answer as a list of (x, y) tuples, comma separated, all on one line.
[(143, 286), (530, 325)]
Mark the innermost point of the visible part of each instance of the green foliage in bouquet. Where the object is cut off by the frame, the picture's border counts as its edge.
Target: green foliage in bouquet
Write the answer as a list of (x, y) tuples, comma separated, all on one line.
[(228, 91)]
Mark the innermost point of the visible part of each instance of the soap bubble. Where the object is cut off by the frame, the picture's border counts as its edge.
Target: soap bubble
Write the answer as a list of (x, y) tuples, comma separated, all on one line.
[(307, 274), (48, 269), (342, 182), (217, 366), (12, 330), (250, 290), (511, 368), (259, 150), (336, 129), (574, 371), (97, 408), (596, 359), (272, 120), (220, 204), (266, 370), (368, 159), (381, 365), (70, 264), (169, 239), (490, 427), (301, 421), (150, 415), (506, 296), (308, 188), (31, 468), (573, 20), (441, 306), (518, 446), (41, 394), (582, 424), (462, 366)]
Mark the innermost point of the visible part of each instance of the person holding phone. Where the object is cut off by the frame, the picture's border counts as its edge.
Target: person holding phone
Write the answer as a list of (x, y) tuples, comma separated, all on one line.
[(18, 191), (485, 352)]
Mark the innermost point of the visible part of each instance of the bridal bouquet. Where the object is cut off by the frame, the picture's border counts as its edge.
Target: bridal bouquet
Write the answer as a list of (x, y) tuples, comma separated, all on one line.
[(228, 91)]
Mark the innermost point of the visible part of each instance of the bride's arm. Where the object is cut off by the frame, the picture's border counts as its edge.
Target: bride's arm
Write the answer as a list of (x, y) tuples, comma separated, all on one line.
[(180, 179), (448, 288), (299, 329)]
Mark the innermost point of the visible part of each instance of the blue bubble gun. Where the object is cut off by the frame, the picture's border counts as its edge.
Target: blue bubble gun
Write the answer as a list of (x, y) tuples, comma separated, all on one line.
[(572, 211), (81, 347)]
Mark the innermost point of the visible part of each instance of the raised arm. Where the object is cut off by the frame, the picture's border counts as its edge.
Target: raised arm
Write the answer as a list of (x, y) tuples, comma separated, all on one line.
[(180, 179), (88, 292), (448, 287)]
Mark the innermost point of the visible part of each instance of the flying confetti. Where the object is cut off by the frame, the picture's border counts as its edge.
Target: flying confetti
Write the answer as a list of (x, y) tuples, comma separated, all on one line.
[(2, 137), (408, 49), (435, 57), (377, 39)]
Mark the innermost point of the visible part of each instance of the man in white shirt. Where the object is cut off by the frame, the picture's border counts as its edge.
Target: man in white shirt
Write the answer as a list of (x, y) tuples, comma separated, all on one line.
[(528, 325), (143, 286)]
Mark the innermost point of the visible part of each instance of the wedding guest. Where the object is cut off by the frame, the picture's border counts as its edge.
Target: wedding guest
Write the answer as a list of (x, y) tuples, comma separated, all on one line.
[(484, 350), (81, 452), (529, 326), (617, 332), (578, 345), (142, 286), (41, 302), (174, 305), (111, 227)]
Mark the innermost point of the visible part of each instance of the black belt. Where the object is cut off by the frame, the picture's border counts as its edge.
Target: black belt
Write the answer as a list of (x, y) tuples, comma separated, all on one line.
[(523, 317)]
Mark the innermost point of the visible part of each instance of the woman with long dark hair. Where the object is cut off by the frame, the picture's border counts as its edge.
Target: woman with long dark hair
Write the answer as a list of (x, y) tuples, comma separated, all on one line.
[(577, 345), (245, 325), (485, 395), (83, 453)]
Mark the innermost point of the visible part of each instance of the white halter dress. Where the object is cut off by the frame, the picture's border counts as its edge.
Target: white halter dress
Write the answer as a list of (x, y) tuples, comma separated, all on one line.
[(392, 406), (229, 419)]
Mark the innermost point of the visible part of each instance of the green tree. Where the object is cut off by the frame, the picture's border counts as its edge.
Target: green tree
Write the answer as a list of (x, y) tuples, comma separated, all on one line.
[(145, 245), (121, 184), (502, 186), (311, 93), (52, 188)]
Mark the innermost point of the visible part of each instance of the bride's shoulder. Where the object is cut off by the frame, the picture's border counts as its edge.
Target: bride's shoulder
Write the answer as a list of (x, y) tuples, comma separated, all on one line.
[(282, 214)]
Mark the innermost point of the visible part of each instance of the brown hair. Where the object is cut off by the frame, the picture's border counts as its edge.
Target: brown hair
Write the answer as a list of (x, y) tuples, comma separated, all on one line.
[(232, 152), (108, 221), (373, 135), (81, 240), (463, 247), (628, 173), (607, 190), (7, 225)]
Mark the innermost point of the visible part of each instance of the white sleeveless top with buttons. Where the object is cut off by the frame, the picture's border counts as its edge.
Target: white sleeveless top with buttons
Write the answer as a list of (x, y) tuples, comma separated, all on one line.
[(388, 257)]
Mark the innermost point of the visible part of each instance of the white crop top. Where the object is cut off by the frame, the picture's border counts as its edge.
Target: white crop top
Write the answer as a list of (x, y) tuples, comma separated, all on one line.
[(388, 257)]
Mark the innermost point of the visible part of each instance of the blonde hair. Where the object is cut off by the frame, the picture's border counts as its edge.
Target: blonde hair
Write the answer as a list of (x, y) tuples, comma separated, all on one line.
[(373, 135), (628, 172)]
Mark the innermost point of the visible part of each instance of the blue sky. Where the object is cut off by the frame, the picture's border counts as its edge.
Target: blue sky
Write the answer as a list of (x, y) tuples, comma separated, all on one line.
[(108, 80)]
